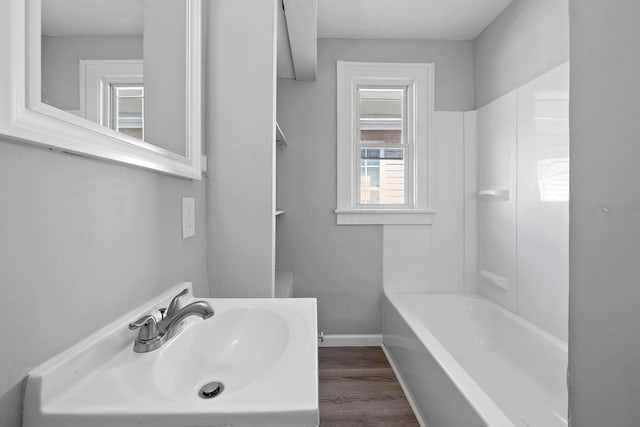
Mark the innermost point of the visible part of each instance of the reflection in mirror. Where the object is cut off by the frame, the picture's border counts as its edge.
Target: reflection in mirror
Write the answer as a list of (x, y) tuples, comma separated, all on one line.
[(116, 63), (127, 109)]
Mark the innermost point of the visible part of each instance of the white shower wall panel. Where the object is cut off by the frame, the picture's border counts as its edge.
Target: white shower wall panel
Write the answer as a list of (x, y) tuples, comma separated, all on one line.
[(523, 154), (497, 215), (470, 201), (543, 201), (431, 258), (448, 201)]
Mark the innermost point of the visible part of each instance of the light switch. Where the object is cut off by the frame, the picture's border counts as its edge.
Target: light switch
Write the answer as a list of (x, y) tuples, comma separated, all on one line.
[(188, 217)]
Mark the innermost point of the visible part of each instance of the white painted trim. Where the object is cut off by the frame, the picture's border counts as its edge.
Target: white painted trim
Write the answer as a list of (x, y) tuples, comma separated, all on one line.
[(302, 25), (405, 388), (384, 216), (419, 78), (351, 341), (94, 72), (25, 118), (75, 112)]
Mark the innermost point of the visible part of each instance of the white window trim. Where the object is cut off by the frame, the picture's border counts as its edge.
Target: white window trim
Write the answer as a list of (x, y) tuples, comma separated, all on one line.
[(96, 74), (419, 77)]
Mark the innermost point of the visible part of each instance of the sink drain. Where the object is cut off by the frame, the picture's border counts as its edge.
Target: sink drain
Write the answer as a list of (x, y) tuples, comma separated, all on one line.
[(211, 390)]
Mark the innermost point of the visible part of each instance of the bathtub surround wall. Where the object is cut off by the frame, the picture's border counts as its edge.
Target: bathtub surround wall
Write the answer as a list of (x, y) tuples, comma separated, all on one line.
[(526, 40), (497, 172), (470, 123), (523, 241), (530, 38), (240, 138), (542, 205), (511, 246), (82, 241), (342, 265), (419, 258), (604, 344)]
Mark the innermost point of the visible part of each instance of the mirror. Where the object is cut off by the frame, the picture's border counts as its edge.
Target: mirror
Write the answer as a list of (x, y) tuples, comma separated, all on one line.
[(117, 79)]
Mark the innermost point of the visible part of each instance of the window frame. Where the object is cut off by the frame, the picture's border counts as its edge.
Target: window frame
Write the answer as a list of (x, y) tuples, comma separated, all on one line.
[(408, 138), (111, 105), (418, 79)]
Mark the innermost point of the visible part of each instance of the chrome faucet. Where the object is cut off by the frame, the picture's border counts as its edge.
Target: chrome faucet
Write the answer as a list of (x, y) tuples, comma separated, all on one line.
[(153, 333)]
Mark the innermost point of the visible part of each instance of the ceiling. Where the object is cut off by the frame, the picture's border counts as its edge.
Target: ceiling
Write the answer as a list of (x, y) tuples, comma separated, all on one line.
[(406, 19), (92, 17)]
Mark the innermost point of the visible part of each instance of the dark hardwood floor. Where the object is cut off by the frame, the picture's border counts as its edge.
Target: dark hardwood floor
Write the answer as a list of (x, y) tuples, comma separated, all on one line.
[(359, 389)]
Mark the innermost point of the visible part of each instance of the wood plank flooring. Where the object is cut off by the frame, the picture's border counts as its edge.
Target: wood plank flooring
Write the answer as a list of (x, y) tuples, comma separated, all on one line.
[(359, 389)]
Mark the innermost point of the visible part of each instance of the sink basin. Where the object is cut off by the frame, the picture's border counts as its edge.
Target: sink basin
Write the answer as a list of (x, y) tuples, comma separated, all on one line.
[(263, 351), (237, 349)]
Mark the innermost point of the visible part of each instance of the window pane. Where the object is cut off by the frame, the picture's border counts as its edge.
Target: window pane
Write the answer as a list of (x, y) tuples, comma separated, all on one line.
[(381, 115), (130, 91), (129, 111), (382, 176)]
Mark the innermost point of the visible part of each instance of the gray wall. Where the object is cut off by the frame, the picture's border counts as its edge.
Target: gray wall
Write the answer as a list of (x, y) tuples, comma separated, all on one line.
[(241, 142), (83, 241), (342, 265), (604, 337), (60, 63), (529, 38)]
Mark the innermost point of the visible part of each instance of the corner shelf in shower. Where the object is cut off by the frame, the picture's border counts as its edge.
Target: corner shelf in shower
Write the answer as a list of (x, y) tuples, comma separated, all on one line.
[(495, 279), (502, 194)]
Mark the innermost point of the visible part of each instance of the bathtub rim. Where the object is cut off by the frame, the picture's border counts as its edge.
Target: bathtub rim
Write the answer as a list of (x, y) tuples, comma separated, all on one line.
[(479, 400), (557, 341)]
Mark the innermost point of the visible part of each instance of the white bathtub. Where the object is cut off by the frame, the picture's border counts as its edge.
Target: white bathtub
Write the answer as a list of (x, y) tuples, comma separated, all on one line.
[(469, 362)]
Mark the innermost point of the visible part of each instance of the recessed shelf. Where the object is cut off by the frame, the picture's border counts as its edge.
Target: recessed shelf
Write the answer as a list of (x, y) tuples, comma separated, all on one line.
[(280, 138)]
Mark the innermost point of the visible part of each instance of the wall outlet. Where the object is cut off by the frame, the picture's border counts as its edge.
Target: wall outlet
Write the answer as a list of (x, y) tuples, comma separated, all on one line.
[(188, 217)]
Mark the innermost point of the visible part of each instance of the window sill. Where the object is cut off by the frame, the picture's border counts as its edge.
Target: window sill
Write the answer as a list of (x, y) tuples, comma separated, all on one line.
[(384, 216)]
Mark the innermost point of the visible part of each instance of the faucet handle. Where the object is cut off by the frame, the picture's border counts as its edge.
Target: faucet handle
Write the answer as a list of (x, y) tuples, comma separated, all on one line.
[(148, 326), (175, 304)]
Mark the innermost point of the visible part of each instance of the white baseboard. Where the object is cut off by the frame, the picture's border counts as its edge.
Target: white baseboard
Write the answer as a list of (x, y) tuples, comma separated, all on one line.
[(405, 389), (351, 341)]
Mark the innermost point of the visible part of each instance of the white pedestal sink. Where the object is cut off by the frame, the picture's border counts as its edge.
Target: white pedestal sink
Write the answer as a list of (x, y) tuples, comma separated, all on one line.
[(264, 351)]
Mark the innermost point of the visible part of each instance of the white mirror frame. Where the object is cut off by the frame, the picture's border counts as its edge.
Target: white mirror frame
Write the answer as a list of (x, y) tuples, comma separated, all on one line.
[(23, 115)]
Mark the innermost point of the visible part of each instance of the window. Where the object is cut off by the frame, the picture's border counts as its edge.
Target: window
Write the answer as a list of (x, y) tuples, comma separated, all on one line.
[(384, 112), (112, 95), (125, 108), (382, 147)]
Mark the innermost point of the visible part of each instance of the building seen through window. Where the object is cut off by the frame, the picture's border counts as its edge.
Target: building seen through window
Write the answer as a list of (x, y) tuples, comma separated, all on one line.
[(382, 146)]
